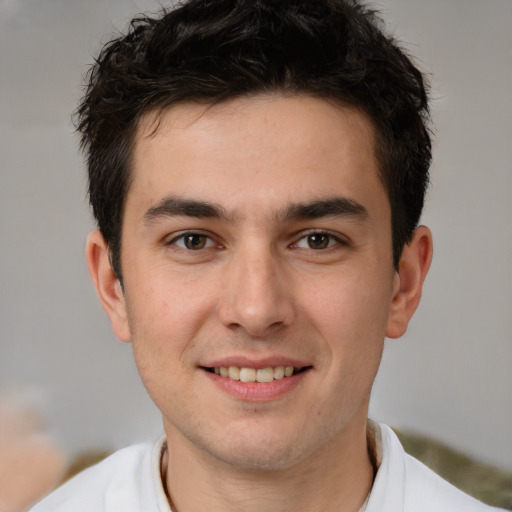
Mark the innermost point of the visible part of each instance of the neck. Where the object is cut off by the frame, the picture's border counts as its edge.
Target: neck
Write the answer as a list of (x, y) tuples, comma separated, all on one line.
[(336, 478)]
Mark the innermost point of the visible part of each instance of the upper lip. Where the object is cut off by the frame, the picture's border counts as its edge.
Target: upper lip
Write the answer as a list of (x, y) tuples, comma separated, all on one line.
[(251, 362)]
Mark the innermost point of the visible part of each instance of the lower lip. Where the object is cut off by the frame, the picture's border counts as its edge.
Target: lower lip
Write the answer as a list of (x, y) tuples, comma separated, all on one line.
[(257, 391)]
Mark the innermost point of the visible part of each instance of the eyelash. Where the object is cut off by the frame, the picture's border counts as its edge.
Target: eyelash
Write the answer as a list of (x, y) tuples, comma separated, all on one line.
[(183, 236), (332, 241)]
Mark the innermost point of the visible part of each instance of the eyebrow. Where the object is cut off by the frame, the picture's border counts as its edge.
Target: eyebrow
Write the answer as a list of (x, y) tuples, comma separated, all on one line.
[(175, 206), (316, 209), (330, 207)]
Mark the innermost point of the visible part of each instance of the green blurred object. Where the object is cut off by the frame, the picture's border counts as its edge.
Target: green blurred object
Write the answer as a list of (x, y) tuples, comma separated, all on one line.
[(484, 482)]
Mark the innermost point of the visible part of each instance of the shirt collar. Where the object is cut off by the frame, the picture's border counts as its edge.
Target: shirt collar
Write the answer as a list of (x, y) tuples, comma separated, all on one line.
[(380, 440)]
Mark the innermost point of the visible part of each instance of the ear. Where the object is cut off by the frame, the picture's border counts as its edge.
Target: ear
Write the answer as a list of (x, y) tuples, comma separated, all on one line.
[(412, 270), (107, 285)]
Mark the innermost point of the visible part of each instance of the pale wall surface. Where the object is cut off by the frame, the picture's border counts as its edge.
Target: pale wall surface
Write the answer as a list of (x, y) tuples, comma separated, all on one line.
[(449, 377)]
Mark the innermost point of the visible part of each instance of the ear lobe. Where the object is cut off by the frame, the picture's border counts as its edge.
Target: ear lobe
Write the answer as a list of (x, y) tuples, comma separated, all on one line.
[(412, 270), (107, 285)]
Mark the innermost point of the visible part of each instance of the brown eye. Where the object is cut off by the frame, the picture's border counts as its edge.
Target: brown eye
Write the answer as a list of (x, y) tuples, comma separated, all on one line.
[(318, 241), (195, 241)]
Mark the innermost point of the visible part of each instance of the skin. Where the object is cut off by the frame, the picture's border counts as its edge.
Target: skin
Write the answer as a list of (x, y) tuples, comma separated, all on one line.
[(268, 278)]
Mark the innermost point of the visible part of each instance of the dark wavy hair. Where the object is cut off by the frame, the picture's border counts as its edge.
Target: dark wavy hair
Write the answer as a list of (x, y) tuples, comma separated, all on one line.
[(210, 51)]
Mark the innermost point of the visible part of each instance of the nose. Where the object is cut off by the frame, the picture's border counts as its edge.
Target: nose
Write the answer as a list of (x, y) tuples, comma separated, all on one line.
[(257, 293)]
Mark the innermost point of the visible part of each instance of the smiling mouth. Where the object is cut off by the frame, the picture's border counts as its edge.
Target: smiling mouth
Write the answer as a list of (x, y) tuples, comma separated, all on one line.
[(261, 375)]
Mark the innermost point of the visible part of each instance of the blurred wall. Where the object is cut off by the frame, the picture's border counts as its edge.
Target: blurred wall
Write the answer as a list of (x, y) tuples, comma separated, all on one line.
[(449, 377)]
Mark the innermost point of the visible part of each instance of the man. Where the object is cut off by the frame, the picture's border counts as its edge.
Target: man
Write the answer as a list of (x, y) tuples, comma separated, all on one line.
[(257, 170)]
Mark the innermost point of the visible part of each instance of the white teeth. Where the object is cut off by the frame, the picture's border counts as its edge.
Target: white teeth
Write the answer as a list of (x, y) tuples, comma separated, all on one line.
[(279, 372), (247, 375), (234, 372), (267, 374)]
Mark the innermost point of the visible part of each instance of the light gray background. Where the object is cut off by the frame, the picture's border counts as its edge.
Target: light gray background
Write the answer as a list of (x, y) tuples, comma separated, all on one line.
[(449, 377)]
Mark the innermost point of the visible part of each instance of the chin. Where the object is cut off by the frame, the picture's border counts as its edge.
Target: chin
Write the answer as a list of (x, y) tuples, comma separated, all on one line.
[(259, 451), (271, 460)]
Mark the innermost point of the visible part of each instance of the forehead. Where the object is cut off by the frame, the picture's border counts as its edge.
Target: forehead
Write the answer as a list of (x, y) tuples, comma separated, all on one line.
[(258, 149), (306, 119)]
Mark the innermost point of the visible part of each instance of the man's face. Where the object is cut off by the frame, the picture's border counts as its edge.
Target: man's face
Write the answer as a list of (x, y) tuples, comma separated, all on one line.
[(257, 235)]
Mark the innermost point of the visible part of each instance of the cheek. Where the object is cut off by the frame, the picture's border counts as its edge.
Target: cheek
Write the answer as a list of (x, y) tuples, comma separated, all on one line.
[(350, 299), (163, 325), (350, 311), (165, 315), (166, 301)]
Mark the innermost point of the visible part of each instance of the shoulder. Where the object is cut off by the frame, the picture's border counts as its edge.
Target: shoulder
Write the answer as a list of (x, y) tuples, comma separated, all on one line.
[(121, 482), (404, 483)]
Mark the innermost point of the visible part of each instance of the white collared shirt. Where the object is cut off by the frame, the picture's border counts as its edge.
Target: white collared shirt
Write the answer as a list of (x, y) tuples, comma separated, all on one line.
[(130, 481)]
